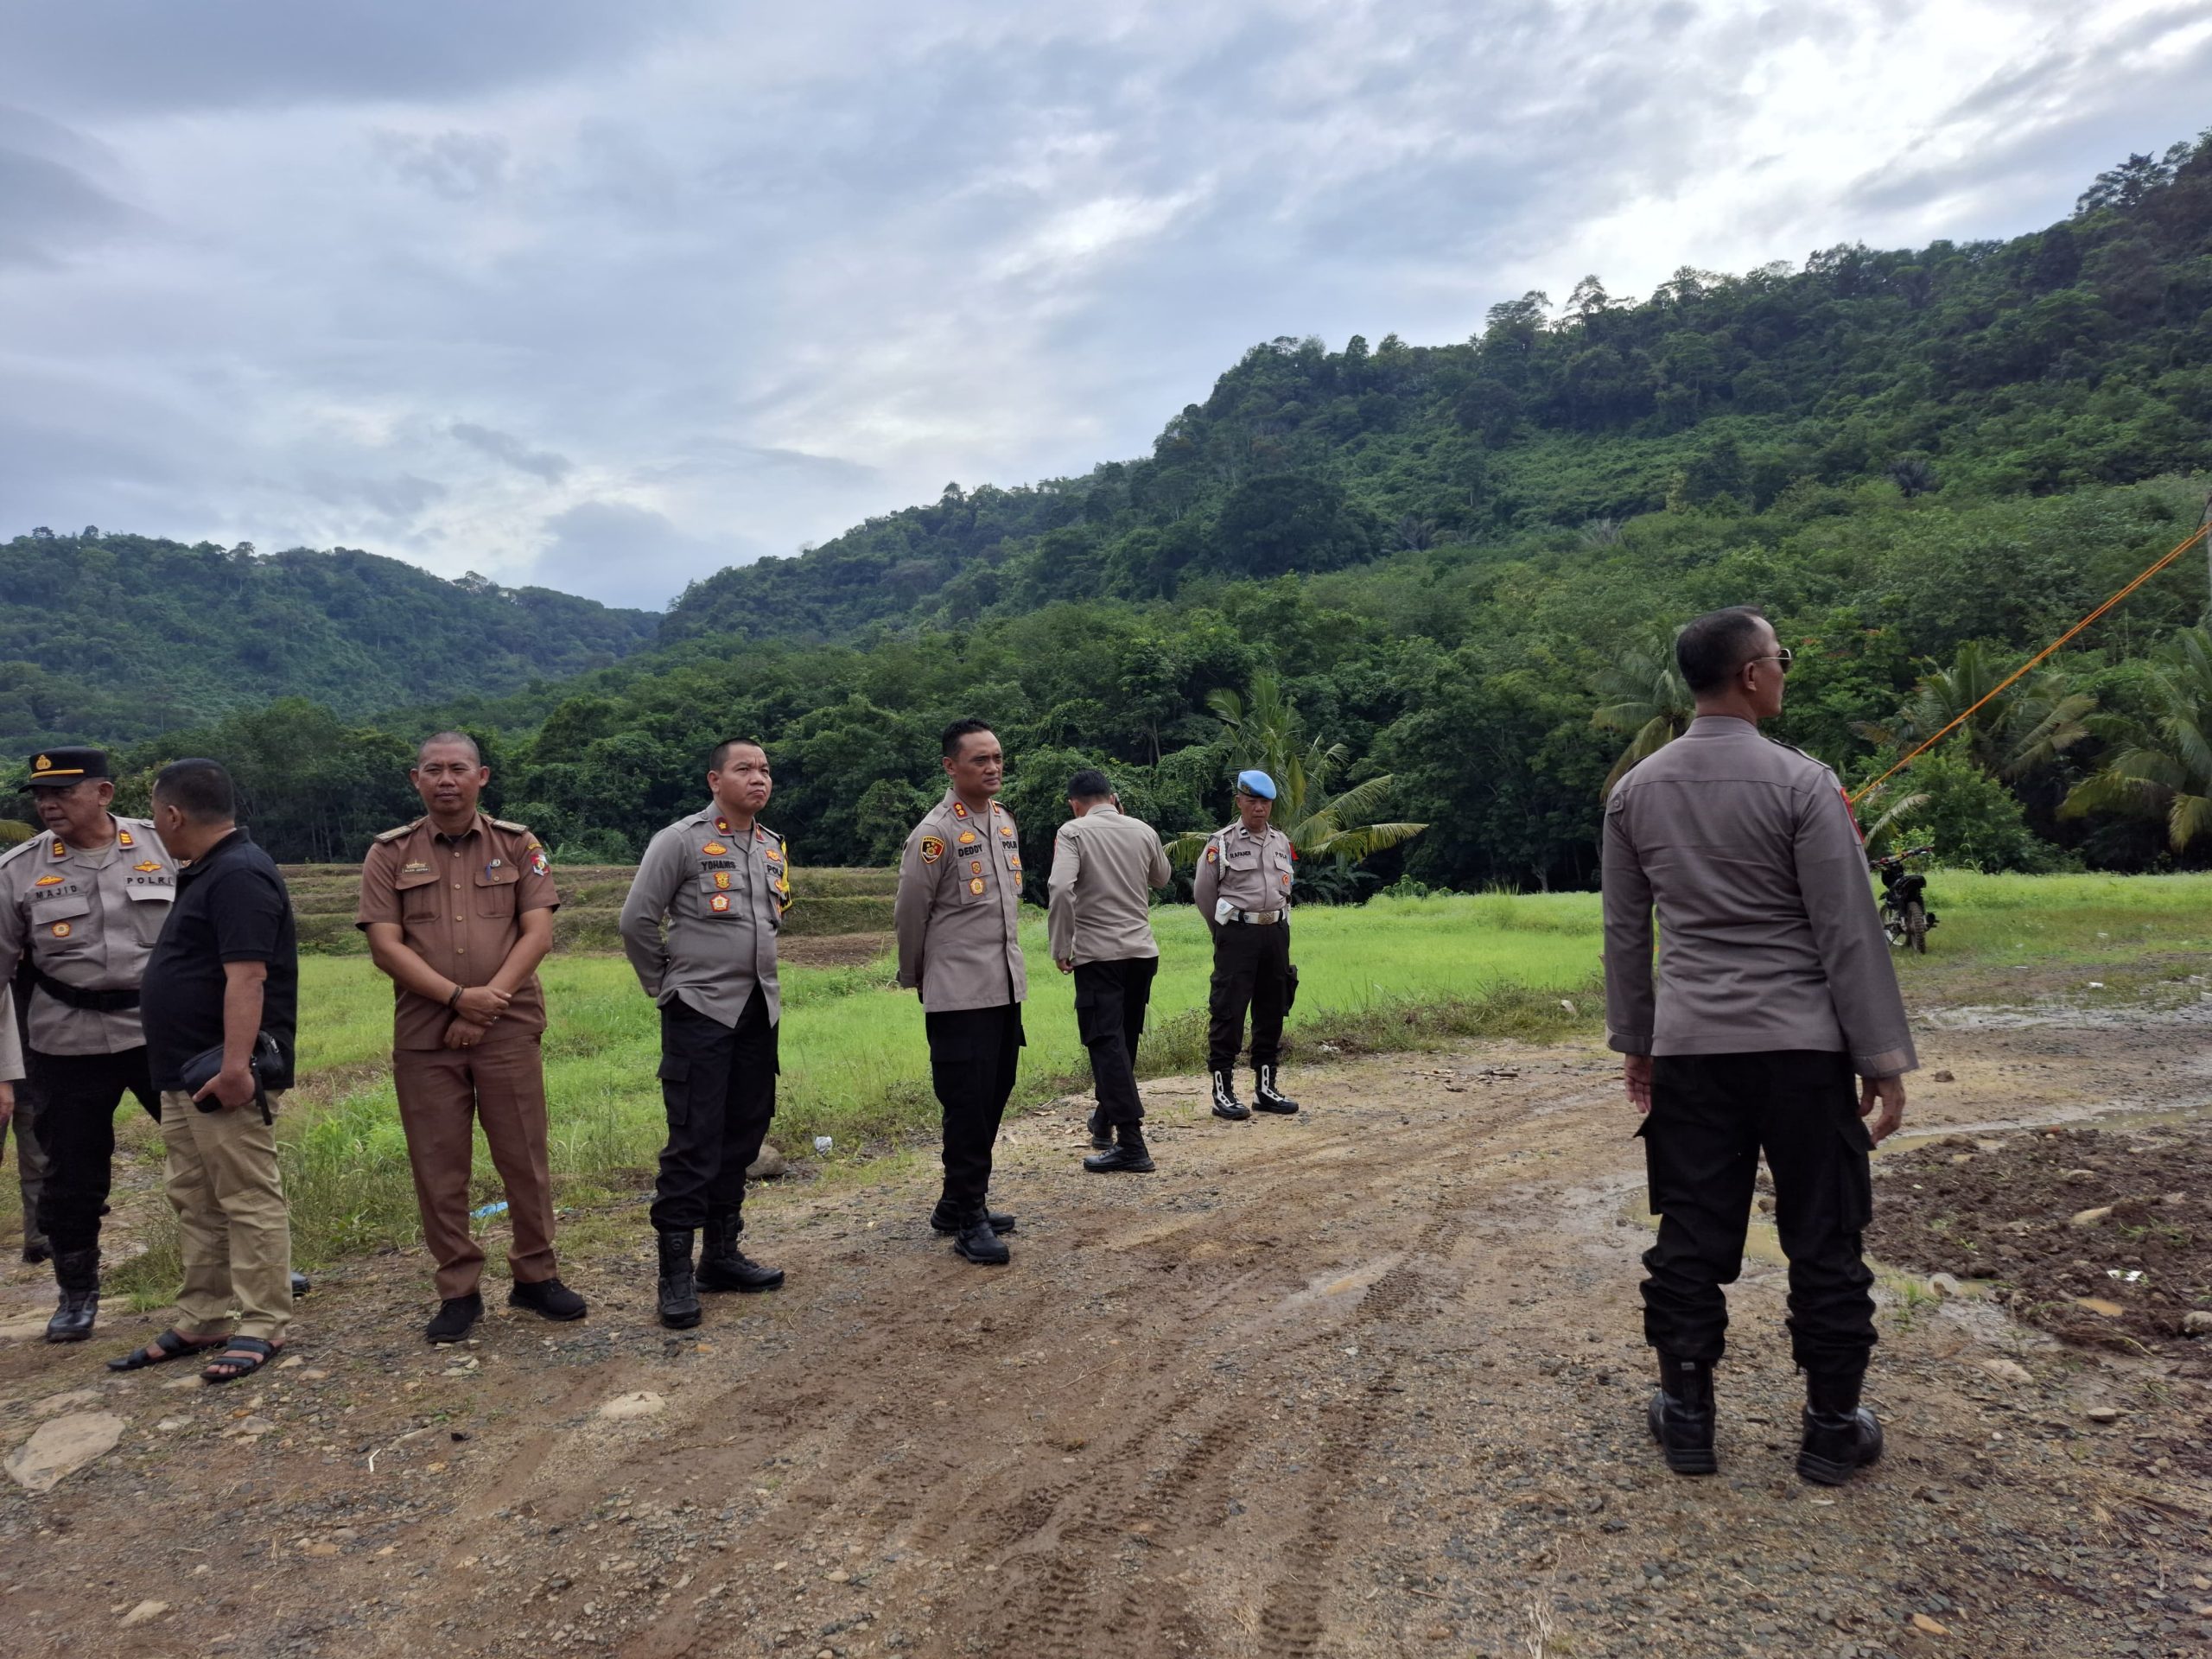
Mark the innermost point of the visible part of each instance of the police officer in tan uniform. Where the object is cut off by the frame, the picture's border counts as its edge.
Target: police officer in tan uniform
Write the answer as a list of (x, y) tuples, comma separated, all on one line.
[(458, 907), (699, 926), (1242, 889), (86, 900), (958, 919), (1774, 1026)]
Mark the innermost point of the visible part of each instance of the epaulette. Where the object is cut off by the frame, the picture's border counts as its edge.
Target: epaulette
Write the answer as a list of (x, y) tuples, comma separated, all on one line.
[(511, 826), (21, 849), (403, 830)]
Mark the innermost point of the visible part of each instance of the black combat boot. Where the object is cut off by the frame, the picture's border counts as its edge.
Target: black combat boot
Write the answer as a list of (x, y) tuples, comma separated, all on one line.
[(1102, 1132), (1265, 1097), (1226, 1104), (78, 1274), (947, 1218), (977, 1241), (723, 1266), (1840, 1435), (679, 1294), (1681, 1416), (1131, 1157)]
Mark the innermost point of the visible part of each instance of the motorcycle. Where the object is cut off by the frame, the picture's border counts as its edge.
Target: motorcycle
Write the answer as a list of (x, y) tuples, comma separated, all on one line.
[(1905, 916)]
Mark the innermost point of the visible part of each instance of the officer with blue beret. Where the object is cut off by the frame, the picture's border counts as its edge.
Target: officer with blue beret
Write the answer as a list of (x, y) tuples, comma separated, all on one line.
[(1242, 889)]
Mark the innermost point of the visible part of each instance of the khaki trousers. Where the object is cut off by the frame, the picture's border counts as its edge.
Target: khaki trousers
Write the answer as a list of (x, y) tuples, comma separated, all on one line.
[(235, 1233), (443, 1092), (30, 1160)]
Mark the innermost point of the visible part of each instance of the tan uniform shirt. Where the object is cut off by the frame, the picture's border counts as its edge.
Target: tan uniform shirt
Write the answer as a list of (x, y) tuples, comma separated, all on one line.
[(958, 913), (1252, 872), (89, 919), (1104, 866), (721, 894), (459, 902), (11, 1047), (1768, 934)]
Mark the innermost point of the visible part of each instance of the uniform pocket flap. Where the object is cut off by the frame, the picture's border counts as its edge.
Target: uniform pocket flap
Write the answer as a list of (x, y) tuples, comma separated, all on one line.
[(499, 878), (62, 908), (674, 1068), (407, 878)]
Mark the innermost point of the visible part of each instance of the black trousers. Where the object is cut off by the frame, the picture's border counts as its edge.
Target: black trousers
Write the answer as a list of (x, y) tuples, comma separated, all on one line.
[(1710, 1116), (1110, 999), (78, 1096), (973, 1056), (1251, 970), (718, 1083)]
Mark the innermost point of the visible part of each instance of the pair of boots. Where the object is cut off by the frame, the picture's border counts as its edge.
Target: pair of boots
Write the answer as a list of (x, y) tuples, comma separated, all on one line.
[(1124, 1151), (722, 1266), (1840, 1435), (1265, 1097)]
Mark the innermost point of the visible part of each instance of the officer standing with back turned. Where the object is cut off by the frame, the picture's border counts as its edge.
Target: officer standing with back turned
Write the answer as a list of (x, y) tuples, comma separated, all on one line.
[(86, 900), (1242, 889)]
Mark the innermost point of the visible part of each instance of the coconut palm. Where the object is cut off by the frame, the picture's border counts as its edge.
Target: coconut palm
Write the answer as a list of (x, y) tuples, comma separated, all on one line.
[(2022, 732), (2163, 769), (1644, 694), (1262, 728)]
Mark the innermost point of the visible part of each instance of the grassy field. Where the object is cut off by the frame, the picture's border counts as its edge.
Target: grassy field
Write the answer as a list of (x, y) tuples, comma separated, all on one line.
[(1395, 974)]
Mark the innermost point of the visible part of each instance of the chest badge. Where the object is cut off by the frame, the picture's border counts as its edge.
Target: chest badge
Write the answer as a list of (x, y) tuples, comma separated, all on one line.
[(414, 867), (146, 866), (1014, 864), (932, 848), (974, 866), (967, 837), (713, 849), (719, 902), (47, 881), (60, 930), (974, 886), (722, 878)]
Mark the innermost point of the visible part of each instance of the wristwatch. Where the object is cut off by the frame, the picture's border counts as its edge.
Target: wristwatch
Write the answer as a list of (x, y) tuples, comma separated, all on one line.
[(454, 1001)]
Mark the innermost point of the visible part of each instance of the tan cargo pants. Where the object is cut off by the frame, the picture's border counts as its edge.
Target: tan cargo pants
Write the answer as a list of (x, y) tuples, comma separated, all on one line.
[(233, 1226)]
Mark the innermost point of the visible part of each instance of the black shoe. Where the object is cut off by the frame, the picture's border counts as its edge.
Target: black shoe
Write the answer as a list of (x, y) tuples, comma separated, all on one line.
[(723, 1266), (548, 1299), (1681, 1416), (1840, 1435), (455, 1318), (37, 1254), (1130, 1157), (1265, 1097), (978, 1242), (679, 1292), (77, 1273), (301, 1285), (1226, 1104), (1102, 1132), (945, 1220)]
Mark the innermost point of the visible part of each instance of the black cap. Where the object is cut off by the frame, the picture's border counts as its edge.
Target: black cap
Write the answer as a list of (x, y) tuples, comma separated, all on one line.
[(58, 768)]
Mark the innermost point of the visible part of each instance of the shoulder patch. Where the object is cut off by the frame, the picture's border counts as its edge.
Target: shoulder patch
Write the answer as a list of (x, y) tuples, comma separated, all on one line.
[(403, 829)]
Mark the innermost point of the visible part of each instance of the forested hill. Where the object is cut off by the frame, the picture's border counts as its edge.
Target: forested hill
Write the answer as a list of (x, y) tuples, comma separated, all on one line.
[(2075, 355), (120, 637)]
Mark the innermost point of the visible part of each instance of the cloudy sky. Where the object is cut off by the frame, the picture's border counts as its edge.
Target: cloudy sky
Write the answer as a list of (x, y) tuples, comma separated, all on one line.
[(605, 295)]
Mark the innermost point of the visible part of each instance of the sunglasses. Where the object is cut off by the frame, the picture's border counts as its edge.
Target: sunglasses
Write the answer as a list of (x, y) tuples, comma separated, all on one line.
[(1781, 658)]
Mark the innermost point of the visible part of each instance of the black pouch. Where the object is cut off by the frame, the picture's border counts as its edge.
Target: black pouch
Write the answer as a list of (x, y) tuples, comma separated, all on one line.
[(200, 1071), (1290, 989)]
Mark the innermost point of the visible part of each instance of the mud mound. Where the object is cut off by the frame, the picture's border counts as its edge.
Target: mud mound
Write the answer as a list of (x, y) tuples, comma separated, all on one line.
[(2101, 1238)]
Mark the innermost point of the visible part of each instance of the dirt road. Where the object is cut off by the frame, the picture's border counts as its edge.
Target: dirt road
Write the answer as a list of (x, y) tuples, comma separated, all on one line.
[(1366, 1382)]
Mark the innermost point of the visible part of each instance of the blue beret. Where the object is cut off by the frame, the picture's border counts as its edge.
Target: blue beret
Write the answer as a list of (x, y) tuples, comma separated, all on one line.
[(1256, 783)]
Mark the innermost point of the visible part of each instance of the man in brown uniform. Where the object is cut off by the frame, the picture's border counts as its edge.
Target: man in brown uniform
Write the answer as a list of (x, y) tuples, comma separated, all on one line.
[(1242, 889), (699, 926), (958, 919), (1104, 867), (459, 910), (86, 900), (1774, 989)]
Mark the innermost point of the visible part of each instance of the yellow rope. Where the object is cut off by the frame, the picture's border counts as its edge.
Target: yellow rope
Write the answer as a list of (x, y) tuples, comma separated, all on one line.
[(2180, 548)]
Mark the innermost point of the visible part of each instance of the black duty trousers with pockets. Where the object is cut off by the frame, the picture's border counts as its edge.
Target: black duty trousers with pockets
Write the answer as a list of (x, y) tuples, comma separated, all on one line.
[(1251, 970), (1110, 999), (1712, 1114), (719, 1085), (78, 1096), (973, 1056)]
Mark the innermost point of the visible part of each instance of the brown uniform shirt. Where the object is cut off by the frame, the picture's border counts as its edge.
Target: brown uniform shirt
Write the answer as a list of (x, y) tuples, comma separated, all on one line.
[(958, 913), (88, 919), (459, 904), (1251, 871)]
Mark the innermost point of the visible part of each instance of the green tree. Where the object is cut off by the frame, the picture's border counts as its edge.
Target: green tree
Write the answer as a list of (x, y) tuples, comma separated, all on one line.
[(2163, 768), (1641, 692)]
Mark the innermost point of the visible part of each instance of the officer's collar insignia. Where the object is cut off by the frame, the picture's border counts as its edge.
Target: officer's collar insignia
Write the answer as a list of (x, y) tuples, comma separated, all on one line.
[(758, 833), (48, 881), (413, 866), (713, 849), (61, 848), (147, 868), (959, 811), (932, 849), (123, 838), (722, 824)]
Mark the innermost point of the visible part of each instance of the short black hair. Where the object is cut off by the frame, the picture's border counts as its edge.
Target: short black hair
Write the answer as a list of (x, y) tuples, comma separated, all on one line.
[(199, 788), (1710, 648), (461, 738), (1090, 784), (961, 728), (718, 757)]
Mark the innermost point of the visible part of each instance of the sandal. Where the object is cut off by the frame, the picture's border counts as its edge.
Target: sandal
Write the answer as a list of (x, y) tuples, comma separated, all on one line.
[(241, 1356), (170, 1344)]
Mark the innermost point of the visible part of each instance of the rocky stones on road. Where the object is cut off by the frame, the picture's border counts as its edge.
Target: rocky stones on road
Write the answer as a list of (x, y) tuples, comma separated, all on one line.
[(2007, 1370), (2102, 1414), (145, 1613), (61, 1445), (2090, 1217), (75, 1399), (767, 1166), (2197, 1323), (623, 1406)]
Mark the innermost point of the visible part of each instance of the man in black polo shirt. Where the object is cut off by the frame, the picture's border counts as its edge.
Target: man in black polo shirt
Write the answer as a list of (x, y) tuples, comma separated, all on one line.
[(225, 974)]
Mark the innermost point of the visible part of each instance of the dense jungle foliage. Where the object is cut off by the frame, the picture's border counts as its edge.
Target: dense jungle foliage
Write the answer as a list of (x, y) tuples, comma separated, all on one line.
[(1463, 564)]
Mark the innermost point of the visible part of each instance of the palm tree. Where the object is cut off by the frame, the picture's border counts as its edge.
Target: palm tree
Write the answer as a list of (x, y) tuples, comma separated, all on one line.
[(2022, 732), (1262, 728), (1644, 694), (2163, 769)]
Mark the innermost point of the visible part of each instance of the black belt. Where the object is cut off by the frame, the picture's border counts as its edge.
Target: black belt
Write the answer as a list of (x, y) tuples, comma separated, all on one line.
[(76, 996)]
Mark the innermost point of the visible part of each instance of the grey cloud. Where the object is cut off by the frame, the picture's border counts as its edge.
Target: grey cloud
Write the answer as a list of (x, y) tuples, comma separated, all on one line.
[(625, 554), (502, 446), (458, 166), (398, 498), (51, 203)]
